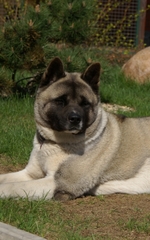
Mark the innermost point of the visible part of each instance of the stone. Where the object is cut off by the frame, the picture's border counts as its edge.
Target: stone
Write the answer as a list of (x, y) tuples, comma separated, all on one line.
[(8, 232), (137, 67)]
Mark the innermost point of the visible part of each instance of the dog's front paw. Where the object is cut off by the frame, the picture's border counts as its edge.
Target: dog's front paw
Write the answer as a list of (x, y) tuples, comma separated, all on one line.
[(63, 196)]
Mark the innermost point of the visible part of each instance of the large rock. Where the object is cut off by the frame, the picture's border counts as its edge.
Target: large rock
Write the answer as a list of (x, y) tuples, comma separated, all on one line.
[(137, 67)]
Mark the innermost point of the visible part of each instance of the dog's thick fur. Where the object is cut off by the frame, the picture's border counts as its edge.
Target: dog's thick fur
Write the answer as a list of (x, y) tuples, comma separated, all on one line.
[(79, 148)]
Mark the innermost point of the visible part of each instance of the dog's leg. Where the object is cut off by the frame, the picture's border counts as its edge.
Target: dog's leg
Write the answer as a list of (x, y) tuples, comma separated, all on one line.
[(63, 196), (140, 183), (15, 177), (33, 189)]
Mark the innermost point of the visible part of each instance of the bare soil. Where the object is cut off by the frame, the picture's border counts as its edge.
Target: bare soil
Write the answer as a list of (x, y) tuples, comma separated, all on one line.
[(6, 165), (117, 216)]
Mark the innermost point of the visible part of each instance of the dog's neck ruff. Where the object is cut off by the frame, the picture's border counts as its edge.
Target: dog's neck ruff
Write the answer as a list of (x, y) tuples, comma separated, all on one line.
[(91, 134)]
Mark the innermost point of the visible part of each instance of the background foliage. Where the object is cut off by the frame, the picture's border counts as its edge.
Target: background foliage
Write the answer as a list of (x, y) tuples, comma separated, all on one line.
[(30, 33), (117, 23), (33, 34)]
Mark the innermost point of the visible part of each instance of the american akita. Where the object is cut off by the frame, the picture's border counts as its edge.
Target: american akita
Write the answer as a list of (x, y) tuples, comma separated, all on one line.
[(79, 148)]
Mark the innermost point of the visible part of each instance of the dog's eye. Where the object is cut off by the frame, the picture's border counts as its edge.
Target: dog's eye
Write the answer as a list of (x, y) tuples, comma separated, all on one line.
[(85, 103), (60, 101)]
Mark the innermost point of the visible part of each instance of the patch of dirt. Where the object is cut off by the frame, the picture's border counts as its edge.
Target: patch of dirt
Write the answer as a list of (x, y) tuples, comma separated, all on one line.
[(6, 165), (117, 216), (10, 168)]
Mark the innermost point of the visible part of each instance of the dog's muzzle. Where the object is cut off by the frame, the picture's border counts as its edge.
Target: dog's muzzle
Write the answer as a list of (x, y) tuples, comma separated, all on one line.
[(74, 118), (75, 121)]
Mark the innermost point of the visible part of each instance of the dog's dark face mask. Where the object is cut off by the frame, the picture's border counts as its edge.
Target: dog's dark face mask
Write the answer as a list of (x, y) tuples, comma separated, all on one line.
[(68, 101)]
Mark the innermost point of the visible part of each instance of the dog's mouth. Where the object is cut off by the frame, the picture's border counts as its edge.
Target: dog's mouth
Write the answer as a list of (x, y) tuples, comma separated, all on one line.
[(72, 131), (75, 129)]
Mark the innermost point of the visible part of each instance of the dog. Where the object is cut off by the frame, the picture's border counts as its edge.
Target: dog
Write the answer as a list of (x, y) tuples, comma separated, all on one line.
[(80, 149)]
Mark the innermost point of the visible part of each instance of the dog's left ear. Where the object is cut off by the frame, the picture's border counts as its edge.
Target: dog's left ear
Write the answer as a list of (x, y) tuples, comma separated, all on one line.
[(91, 76), (54, 72)]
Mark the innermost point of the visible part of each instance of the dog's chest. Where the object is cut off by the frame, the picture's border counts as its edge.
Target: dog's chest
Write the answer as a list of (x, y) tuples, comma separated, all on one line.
[(51, 156)]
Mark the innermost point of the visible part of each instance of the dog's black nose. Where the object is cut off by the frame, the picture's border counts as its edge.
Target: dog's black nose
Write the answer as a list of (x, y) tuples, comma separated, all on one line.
[(74, 118)]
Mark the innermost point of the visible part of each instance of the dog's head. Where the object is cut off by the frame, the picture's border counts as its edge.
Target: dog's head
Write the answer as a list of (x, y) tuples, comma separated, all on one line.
[(68, 102)]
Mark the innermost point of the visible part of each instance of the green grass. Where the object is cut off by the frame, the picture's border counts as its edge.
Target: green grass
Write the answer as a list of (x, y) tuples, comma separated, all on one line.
[(139, 226), (17, 128), (115, 88), (42, 218)]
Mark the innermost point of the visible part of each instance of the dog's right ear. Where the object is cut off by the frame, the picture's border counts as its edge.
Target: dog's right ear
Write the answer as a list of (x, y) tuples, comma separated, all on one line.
[(54, 72), (92, 75)]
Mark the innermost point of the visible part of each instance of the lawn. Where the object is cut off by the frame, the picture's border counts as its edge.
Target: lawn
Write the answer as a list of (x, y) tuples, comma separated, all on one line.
[(104, 217)]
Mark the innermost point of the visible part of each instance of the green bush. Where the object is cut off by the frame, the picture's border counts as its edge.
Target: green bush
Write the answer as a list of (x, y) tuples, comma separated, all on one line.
[(76, 25), (6, 83), (29, 32)]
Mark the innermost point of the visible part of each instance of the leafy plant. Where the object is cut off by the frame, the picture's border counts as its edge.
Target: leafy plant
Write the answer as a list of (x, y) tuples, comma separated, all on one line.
[(6, 83), (29, 32)]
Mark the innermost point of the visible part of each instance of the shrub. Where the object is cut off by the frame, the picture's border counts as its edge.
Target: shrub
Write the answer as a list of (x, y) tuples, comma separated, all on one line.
[(28, 30), (6, 83)]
